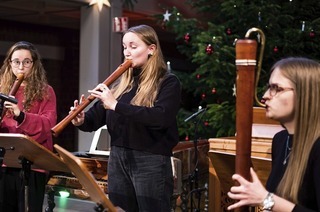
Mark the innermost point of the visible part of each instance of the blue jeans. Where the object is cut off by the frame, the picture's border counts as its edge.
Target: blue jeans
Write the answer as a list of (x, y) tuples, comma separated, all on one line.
[(139, 181)]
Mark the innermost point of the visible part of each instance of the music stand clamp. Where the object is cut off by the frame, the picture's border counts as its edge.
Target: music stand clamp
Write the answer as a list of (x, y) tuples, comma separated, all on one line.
[(2, 152)]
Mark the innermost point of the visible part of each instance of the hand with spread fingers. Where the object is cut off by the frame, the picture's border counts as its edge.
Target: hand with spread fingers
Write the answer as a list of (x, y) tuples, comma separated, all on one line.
[(248, 193)]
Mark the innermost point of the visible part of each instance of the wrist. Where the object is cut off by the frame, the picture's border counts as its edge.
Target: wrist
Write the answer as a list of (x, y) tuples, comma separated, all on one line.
[(20, 117), (268, 202)]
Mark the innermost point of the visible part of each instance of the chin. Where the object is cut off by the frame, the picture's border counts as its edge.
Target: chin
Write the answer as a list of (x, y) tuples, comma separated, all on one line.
[(269, 115)]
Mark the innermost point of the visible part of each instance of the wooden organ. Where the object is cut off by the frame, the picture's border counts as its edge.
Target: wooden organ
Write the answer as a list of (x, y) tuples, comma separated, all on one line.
[(222, 159), (68, 182)]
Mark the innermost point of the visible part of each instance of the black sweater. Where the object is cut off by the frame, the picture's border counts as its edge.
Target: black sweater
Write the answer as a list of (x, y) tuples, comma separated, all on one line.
[(150, 129), (309, 194)]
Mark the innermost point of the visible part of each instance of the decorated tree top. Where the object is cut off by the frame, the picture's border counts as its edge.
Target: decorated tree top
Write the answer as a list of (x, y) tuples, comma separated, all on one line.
[(291, 28)]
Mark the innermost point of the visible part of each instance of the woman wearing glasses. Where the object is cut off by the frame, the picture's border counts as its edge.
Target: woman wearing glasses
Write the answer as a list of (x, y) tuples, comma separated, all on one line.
[(34, 115), (293, 99)]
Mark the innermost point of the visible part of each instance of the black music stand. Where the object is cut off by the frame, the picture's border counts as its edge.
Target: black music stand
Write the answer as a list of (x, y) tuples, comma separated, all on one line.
[(86, 179), (21, 151)]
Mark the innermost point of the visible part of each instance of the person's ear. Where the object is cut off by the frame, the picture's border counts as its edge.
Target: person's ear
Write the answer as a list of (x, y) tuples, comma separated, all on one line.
[(151, 50)]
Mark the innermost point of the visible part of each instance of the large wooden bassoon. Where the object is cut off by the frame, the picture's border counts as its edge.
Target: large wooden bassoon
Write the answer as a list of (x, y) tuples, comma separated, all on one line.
[(246, 91)]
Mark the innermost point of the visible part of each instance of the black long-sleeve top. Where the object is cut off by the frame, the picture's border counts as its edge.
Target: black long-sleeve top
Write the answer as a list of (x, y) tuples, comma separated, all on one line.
[(151, 129), (309, 194)]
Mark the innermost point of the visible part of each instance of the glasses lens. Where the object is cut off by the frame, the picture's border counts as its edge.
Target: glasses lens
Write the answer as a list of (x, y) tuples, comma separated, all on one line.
[(26, 63), (15, 63), (272, 89)]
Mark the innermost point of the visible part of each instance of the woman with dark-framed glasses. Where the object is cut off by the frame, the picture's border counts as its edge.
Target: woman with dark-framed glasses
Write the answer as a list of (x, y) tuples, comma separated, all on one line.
[(34, 115), (293, 99)]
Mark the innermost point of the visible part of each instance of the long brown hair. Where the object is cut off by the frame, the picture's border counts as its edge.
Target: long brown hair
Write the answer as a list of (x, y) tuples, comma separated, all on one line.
[(305, 76), (36, 81), (151, 74)]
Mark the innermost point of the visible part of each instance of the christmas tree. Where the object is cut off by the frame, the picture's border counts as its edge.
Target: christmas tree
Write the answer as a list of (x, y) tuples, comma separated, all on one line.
[(291, 28)]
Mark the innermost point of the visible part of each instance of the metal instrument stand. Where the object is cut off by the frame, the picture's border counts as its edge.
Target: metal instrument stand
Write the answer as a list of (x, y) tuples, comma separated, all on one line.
[(193, 177), (26, 169)]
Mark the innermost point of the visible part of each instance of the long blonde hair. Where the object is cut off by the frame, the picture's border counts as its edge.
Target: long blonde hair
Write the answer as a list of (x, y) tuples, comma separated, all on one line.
[(305, 76), (151, 74), (36, 81)]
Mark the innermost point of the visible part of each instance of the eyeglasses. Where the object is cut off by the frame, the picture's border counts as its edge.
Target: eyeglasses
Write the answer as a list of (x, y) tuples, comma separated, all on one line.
[(26, 63), (274, 89)]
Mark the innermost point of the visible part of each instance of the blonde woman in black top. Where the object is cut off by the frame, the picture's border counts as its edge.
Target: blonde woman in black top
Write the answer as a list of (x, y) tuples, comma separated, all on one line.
[(140, 114)]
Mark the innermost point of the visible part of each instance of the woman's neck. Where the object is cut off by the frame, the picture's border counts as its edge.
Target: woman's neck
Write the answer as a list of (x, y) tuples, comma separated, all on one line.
[(289, 127)]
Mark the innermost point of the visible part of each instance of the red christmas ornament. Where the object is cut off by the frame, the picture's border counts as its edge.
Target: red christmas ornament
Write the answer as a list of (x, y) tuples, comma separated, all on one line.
[(209, 49), (198, 76), (312, 34), (206, 123), (229, 32), (187, 38), (186, 138), (203, 96), (275, 49), (214, 90)]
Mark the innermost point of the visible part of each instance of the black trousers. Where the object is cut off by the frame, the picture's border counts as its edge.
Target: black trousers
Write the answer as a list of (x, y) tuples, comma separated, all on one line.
[(12, 189)]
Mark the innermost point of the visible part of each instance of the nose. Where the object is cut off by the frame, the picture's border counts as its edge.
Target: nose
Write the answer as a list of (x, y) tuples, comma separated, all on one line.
[(266, 96), (20, 65), (126, 52)]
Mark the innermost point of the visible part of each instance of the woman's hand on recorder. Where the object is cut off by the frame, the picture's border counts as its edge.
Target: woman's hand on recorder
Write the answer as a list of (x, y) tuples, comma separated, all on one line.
[(103, 93), (79, 119)]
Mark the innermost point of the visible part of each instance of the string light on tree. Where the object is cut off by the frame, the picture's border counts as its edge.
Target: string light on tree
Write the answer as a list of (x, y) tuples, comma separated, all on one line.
[(178, 16), (275, 49), (169, 66), (259, 16), (303, 26)]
